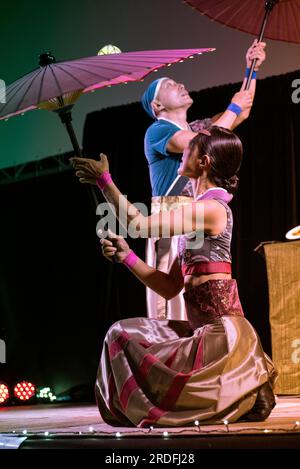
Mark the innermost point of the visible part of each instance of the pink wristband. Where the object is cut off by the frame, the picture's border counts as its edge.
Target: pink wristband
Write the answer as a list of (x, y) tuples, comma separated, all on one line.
[(130, 260), (103, 180)]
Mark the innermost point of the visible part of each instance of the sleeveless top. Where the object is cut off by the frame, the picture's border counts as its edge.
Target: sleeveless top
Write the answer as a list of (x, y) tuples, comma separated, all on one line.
[(213, 255)]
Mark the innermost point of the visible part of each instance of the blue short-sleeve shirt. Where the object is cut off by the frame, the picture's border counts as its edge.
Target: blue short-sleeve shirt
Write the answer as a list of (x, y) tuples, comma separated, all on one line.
[(163, 165)]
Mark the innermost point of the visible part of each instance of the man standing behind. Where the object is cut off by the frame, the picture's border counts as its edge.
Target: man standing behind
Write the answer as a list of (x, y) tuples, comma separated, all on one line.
[(167, 102)]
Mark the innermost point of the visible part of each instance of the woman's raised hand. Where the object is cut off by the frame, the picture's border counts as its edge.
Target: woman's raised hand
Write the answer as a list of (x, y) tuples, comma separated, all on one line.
[(88, 170)]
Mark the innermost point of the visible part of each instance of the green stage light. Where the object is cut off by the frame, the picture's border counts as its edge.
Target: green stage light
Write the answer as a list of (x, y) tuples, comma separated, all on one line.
[(46, 394)]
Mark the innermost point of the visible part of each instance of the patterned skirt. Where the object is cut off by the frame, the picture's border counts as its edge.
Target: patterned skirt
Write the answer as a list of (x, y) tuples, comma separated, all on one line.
[(171, 373)]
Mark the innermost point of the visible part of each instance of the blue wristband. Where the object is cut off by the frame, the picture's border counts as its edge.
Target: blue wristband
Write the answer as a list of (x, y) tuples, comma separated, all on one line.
[(247, 74), (235, 108)]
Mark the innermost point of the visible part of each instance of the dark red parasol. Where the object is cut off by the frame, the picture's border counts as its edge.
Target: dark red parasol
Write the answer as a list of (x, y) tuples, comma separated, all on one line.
[(254, 17)]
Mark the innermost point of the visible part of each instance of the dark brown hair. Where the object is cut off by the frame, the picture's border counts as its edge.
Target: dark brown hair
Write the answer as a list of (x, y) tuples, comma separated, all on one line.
[(225, 151)]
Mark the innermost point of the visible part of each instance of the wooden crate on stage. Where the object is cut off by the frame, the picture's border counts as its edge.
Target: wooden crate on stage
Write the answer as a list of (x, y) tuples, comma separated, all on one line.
[(283, 271)]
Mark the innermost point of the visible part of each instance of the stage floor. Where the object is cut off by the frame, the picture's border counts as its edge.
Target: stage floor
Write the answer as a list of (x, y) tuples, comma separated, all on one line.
[(72, 424)]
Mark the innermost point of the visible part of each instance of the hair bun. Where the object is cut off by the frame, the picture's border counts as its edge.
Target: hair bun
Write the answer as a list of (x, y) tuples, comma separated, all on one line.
[(231, 184)]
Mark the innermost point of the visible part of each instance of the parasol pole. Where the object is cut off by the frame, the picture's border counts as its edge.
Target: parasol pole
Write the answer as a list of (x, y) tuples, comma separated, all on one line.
[(269, 5), (66, 119), (65, 114)]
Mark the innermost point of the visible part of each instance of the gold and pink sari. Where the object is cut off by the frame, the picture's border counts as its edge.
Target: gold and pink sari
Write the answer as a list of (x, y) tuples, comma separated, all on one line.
[(171, 373)]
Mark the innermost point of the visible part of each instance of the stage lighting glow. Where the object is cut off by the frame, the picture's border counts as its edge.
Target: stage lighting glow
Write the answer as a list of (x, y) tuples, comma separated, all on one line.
[(4, 393), (24, 391), (46, 394), (109, 49)]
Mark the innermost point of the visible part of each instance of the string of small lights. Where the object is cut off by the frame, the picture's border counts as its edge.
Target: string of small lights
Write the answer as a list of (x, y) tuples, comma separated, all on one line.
[(158, 432)]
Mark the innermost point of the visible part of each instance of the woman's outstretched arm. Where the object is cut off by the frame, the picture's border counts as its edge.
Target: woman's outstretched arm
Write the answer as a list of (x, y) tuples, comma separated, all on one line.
[(200, 217)]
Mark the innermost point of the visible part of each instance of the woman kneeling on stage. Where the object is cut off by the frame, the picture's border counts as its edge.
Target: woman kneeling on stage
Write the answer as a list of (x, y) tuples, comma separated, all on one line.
[(212, 367)]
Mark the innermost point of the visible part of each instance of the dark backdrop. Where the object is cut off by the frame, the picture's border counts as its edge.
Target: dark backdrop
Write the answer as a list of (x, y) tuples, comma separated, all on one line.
[(59, 296)]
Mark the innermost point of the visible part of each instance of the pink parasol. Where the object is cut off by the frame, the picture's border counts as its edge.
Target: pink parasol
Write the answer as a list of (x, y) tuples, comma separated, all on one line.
[(55, 86)]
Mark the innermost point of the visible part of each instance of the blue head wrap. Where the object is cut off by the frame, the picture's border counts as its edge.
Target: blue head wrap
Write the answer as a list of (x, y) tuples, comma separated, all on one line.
[(150, 94)]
